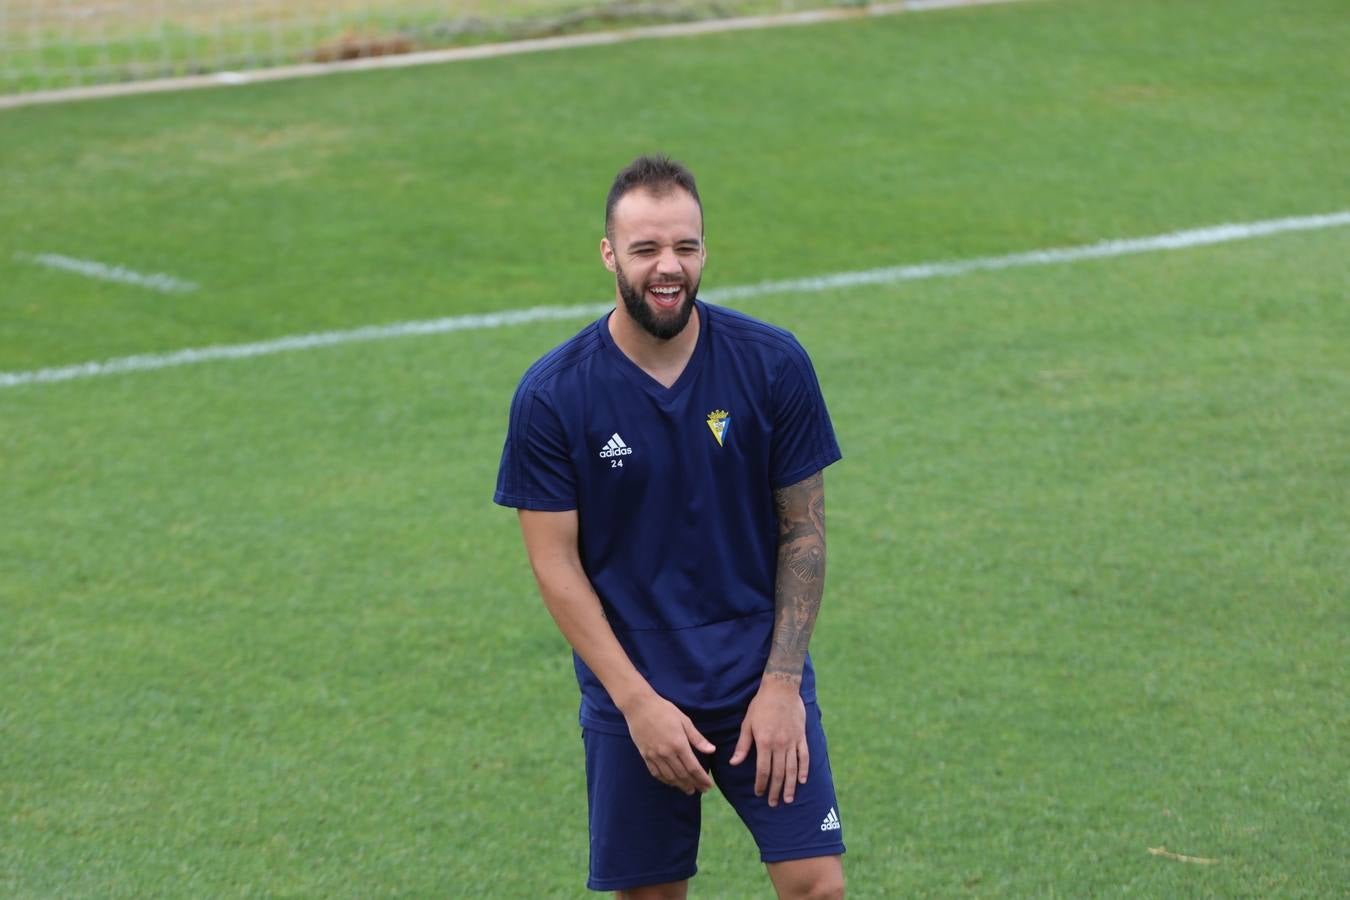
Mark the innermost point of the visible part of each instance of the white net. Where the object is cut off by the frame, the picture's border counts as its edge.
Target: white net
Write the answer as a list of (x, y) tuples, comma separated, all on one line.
[(52, 44)]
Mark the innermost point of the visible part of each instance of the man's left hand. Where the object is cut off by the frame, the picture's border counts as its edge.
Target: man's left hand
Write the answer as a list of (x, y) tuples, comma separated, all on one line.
[(775, 724)]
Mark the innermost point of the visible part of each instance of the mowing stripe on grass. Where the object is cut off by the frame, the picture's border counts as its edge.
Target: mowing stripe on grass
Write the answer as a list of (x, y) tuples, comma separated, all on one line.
[(158, 281), (1177, 240)]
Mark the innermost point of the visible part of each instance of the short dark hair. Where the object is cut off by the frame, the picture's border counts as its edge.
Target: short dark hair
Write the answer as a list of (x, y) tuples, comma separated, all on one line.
[(656, 173)]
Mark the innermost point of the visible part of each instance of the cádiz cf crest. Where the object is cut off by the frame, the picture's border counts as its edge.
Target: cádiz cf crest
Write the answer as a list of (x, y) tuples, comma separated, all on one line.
[(719, 420)]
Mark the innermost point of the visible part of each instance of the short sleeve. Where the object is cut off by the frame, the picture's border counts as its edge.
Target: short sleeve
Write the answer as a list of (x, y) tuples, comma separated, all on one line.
[(803, 437), (536, 470)]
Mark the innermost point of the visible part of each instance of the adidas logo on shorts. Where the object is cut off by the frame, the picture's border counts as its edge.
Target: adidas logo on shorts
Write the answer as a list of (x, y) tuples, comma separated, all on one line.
[(831, 822)]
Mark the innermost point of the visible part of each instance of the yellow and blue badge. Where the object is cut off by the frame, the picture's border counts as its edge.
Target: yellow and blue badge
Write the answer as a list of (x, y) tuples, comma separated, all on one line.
[(718, 421)]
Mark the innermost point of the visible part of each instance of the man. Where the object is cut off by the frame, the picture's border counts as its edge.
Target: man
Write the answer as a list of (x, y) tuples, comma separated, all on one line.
[(666, 464)]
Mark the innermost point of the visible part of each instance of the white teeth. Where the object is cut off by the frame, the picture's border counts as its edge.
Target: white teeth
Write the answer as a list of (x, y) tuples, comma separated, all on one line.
[(665, 290)]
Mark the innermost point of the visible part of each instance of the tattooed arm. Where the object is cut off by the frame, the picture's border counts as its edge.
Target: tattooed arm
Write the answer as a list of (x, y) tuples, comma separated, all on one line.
[(801, 575), (776, 720)]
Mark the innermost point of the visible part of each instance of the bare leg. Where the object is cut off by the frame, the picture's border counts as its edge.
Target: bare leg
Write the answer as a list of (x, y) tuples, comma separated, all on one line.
[(816, 878), (671, 890)]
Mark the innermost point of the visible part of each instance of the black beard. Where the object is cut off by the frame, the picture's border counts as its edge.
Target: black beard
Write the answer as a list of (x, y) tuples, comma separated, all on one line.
[(661, 328)]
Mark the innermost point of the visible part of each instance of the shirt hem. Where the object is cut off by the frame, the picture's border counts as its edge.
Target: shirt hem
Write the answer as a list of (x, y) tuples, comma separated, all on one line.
[(705, 725), (532, 503), (803, 472)]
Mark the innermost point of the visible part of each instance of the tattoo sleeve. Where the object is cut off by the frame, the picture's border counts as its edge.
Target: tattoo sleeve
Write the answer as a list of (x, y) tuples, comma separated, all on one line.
[(800, 581)]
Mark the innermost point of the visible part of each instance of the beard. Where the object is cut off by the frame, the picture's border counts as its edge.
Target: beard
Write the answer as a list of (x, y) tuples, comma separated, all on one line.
[(662, 325)]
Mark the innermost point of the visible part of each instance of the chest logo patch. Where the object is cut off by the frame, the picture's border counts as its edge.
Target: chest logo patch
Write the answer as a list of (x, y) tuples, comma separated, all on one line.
[(719, 420), (615, 447)]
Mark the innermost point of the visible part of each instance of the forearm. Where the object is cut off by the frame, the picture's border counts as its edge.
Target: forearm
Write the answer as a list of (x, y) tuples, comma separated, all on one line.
[(576, 609), (800, 580), (665, 737)]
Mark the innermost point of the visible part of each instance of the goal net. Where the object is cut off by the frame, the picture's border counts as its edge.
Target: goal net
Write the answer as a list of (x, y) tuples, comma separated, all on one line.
[(53, 44)]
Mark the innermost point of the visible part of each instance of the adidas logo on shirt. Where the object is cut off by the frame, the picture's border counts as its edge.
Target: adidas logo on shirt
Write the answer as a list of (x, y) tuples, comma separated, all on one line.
[(831, 822), (615, 447)]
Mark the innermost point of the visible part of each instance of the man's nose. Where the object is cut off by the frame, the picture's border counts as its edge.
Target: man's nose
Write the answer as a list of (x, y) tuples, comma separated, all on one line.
[(668, 261)]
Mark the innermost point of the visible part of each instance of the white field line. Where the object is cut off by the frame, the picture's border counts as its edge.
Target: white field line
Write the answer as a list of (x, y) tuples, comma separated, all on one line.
[(151, 361), (483, 51), (157, 281), (1177, 240)]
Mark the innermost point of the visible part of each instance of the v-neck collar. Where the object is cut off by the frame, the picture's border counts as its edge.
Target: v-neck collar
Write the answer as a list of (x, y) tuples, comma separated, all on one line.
[(639, 376)]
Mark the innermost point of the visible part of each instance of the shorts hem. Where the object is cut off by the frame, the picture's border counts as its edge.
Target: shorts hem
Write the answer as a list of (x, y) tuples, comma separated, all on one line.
[(772, 856), (683, 873)]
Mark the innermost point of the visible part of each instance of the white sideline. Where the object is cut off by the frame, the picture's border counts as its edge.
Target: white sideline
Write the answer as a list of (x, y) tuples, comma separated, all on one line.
[(482, 51), (1177, 240), (158, 281)]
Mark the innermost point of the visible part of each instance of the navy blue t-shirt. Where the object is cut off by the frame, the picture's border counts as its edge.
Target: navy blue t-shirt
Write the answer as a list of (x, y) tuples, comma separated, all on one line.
[(673, 489)]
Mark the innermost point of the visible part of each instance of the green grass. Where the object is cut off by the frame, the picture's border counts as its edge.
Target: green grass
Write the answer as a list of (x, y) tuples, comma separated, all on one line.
[(124, 43), (264, 634)]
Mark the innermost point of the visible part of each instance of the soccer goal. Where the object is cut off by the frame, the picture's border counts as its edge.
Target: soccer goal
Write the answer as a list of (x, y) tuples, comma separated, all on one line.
[(55, 44)]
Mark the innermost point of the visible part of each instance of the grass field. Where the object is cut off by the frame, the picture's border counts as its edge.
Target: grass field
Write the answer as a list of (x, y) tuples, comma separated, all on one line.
[(52, 44), (264, 633)]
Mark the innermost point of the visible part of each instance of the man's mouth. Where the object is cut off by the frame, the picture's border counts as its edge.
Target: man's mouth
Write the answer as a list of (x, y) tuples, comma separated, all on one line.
[(666, 296)]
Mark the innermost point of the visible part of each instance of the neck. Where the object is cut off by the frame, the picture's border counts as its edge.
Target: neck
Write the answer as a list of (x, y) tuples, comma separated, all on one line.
[(663, 360)]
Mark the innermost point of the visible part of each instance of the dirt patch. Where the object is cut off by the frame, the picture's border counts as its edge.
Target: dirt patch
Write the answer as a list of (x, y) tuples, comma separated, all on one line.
[(353, 45)]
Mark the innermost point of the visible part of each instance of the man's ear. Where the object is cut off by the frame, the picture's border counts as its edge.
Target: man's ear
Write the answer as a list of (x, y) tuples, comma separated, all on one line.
[(607, 253)]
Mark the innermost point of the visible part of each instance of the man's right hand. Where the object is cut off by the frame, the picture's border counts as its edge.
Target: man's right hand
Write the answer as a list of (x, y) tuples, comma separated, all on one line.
[(667, 739)]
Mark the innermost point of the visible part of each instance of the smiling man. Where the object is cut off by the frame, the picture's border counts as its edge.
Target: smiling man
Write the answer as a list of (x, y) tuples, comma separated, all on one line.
[(667, 467)]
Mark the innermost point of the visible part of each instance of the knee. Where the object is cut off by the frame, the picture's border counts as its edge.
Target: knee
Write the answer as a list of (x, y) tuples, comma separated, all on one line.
[(820, 886), (827, 889), (675, 890), (832, 890)]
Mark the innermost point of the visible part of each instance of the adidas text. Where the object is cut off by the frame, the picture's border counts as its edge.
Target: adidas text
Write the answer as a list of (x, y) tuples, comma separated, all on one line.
[(615, 447), (831, 822)]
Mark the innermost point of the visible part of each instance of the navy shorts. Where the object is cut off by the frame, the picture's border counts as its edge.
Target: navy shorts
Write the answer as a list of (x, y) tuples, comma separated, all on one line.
[(645, 832)]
